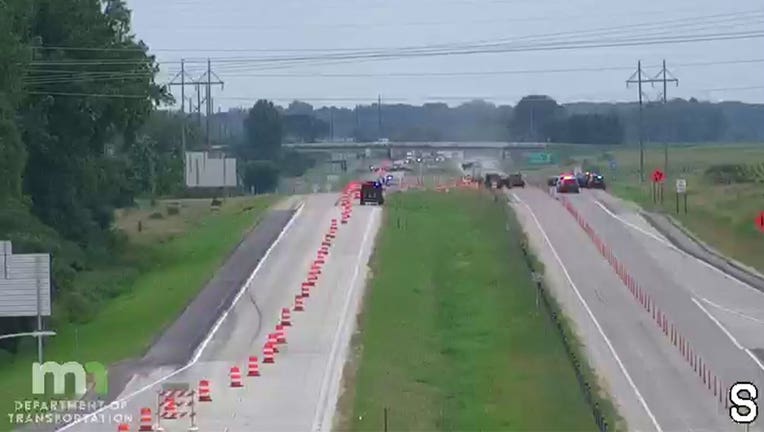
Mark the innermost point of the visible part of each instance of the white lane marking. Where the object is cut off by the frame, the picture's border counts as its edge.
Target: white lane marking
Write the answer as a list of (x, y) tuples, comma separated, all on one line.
[(671, 246), (591, 315), (747, 351), (321, 417), (200, 349), (732, 311), (756, 359), (718, 324)]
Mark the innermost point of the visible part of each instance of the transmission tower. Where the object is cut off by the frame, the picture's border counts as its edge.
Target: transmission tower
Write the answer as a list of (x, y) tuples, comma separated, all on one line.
[(185, 80), (640, 78), (208, 79)]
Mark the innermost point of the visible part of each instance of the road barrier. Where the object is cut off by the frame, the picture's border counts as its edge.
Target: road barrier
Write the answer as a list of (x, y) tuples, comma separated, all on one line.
[(280, 334), (286, 317), (204, 391), (268, 353), (235, 375), (299, 305), (713, 384), (146, 421), (253, 369), (167, 400)]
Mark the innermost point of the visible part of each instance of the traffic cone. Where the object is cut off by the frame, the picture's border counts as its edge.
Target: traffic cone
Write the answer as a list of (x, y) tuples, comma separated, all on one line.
[(286, 317), (304, 291), (170, 409), (252, 368), (146, 425), (204, 391), (123, 427), (324, 250), (273, 339), (299, 306), (280, 334), (315, 268), (236, 377), (312, 278), (268, 356)]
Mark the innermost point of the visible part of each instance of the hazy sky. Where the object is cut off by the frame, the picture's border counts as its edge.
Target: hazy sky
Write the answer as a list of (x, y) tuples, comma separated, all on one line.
[(243, 36)]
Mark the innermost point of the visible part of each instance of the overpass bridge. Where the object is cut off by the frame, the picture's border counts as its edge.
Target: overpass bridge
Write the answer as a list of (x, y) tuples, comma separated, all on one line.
[(500, 148)]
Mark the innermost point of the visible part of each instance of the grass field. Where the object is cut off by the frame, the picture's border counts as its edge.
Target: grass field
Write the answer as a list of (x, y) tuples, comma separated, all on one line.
[(451, 337), (181, 252), (720, 214)]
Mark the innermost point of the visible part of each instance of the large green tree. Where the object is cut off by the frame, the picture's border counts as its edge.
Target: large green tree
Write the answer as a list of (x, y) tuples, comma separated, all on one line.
[(70, 137), (263, 132)]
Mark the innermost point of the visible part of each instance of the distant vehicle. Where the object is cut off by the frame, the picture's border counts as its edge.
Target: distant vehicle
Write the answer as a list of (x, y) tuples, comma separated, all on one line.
[(494, 180), (371, 192), (516, 180), (582, 179), (372, 168), (567, 184), (596, 181)]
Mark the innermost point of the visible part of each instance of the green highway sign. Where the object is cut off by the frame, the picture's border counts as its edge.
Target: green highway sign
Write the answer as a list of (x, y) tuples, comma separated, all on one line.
[(539, 158)]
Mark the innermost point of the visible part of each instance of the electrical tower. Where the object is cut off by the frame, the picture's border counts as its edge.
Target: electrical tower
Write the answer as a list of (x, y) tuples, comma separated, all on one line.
[(185, 80), (207, 81), (640, 78)]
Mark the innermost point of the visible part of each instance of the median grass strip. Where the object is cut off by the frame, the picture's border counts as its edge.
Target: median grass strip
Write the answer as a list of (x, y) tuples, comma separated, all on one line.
[(173, 271), (451, 336)]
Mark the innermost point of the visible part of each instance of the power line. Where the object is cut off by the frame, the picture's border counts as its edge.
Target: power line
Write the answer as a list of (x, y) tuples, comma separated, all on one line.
[(453, 48), (53, 76), (496, 50)]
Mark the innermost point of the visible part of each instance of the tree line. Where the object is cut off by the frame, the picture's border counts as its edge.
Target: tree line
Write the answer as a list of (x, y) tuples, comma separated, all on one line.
[(534, 118)]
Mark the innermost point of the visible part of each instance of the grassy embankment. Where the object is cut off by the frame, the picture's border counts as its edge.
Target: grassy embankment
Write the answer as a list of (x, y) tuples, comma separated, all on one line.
[(164, 266), (720, 214), (450, 336)]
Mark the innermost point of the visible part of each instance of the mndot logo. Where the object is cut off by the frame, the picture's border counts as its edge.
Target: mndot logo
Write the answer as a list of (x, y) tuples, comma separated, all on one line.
[(79, 373)]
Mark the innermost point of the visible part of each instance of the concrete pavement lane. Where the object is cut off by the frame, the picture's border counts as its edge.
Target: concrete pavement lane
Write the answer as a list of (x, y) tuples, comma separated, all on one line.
[(677, 283), (651, 383), (738, 306), (300, 390)]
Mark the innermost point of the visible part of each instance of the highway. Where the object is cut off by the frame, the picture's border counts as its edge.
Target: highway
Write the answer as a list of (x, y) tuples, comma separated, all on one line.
[(653, 386), (299, 391)]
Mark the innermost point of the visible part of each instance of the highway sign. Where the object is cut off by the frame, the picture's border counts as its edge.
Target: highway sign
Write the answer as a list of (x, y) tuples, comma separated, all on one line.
[(658, 176), (760, 221), (539, 158), (613, 164), (681, 186)]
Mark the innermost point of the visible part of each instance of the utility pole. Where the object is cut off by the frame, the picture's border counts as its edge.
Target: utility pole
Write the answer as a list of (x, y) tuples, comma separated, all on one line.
[(663, 74), (182, 84), (331, 123), (207, 80), (640, 80), (379, 115)]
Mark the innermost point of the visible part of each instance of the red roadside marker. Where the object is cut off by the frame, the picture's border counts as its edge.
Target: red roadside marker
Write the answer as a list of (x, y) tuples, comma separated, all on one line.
[(760, 221)]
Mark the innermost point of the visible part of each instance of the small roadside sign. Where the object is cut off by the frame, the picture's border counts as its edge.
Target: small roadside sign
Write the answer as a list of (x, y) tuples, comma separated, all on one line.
[(681, 186), (658, 176), (613, 164)]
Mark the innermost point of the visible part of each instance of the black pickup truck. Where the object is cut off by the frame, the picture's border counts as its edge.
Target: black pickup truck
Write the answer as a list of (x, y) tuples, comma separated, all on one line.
[(371, 192)]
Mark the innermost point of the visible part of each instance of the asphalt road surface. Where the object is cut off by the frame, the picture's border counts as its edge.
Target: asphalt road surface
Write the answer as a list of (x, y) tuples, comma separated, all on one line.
[(299, 391), (651, 383)]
